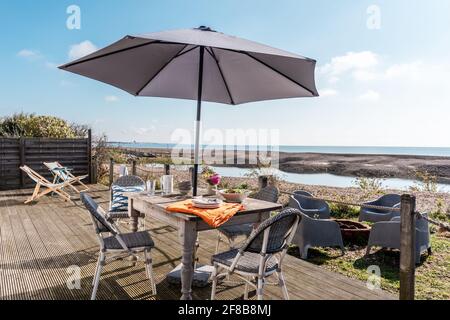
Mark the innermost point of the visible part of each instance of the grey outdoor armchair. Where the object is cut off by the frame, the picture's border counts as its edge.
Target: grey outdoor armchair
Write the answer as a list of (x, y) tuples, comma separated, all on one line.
[(314, 208), (118, 244), (386, 234), (317, 233), (270, 194), (375, 215), (261, 255)]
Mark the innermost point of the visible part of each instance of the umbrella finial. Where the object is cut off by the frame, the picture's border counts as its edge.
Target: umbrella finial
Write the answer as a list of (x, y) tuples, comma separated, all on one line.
[(205, 28)]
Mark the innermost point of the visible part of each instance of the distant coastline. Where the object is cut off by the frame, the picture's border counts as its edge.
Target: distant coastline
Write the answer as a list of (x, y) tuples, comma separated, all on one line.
[(403, 166), (365, 150)]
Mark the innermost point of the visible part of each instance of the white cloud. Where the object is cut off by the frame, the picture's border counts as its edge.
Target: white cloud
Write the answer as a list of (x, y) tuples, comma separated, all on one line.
[(358, 63), (143, 131), (327, 92), (29, 54), (411, 70), (370, 96), (81, 49), (111, 99)]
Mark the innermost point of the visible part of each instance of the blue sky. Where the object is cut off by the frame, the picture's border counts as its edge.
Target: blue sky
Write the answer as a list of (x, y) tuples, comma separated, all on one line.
[(379, 87)]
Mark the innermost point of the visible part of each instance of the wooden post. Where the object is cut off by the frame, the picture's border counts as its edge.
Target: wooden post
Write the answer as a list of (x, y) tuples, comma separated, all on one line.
[(407, 247), (94, 170), (89, 155), (167, 169), (22, 161), (263, 181), (111, 172), (133, 167)]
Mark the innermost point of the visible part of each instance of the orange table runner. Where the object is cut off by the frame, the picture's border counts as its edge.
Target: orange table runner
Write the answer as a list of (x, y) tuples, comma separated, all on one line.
[(213, 217)]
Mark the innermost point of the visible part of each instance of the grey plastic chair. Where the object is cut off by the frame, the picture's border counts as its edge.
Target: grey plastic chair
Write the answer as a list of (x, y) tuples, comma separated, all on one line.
[(375, 215), (386, 234), (261, 255), (124, 181), (314, 208), (270, 194), (119, 244), (313, 232)]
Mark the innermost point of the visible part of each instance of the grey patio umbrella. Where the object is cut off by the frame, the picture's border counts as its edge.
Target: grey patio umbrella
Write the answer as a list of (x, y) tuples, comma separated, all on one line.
[(199, 64)]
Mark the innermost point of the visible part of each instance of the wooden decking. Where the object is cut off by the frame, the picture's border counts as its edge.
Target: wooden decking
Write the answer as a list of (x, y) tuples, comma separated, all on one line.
[(39, 242)]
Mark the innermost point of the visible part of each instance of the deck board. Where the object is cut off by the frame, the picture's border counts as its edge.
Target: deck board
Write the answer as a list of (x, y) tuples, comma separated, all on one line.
[(39, 242)]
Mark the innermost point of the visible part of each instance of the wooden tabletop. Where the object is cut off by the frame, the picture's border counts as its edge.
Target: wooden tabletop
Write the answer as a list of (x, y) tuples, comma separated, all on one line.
[(163, 201)]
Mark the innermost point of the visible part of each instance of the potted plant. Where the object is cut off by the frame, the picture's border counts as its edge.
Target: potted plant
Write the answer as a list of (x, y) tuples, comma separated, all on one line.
[(212, 179)]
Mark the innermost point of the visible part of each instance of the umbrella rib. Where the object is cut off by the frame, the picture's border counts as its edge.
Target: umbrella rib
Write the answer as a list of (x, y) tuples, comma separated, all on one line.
[(160, 70), (273, 69), (221, 74), (109, 53), (187, 51), (280, 73)]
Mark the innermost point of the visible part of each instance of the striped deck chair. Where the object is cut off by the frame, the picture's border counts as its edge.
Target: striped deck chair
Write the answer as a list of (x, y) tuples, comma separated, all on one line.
[(42, 182), (63, 174)]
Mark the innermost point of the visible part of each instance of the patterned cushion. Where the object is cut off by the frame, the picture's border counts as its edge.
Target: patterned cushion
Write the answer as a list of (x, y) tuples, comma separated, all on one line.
[(119, 202)]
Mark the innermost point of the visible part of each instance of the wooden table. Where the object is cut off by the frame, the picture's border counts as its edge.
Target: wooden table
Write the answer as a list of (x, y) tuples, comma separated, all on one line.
[(188, 225)]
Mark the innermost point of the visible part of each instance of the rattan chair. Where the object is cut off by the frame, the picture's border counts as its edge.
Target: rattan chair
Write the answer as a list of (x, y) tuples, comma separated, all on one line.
[(118, 244), (270, 194), (261, 255)]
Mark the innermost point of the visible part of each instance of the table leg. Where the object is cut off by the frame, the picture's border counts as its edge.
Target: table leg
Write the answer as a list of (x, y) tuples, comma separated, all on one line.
[(134, 221), (134, 216), (188, 237)]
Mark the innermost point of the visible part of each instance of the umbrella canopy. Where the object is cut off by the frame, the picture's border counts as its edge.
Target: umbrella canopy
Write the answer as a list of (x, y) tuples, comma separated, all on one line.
[(199, 64)]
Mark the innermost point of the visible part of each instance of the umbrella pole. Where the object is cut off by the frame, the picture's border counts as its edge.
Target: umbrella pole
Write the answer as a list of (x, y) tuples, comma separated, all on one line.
[(197, 124)]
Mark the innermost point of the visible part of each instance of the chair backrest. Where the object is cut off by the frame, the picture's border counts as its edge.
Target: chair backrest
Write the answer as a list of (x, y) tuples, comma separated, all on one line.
[(389, 200), (305, 203), (36, 177), (129, 181), (421, 224), (57, 169), (98, 217), (269, 193), (282, 229)]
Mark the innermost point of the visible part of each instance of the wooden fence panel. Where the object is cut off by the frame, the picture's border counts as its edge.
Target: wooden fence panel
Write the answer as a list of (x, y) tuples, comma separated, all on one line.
[(72, 153)]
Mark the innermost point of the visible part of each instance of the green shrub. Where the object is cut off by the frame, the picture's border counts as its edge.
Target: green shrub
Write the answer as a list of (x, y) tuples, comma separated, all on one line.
[(342, 211), (439, 212), (425, 181), (370, 186), (31, 125)]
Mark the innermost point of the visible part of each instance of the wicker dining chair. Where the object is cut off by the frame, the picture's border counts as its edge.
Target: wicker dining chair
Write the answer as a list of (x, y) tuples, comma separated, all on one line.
[(270, 194), (118, 244), (261, 255)]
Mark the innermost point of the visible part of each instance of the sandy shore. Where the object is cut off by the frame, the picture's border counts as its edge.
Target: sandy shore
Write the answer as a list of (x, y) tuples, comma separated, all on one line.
[(353, 165)]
